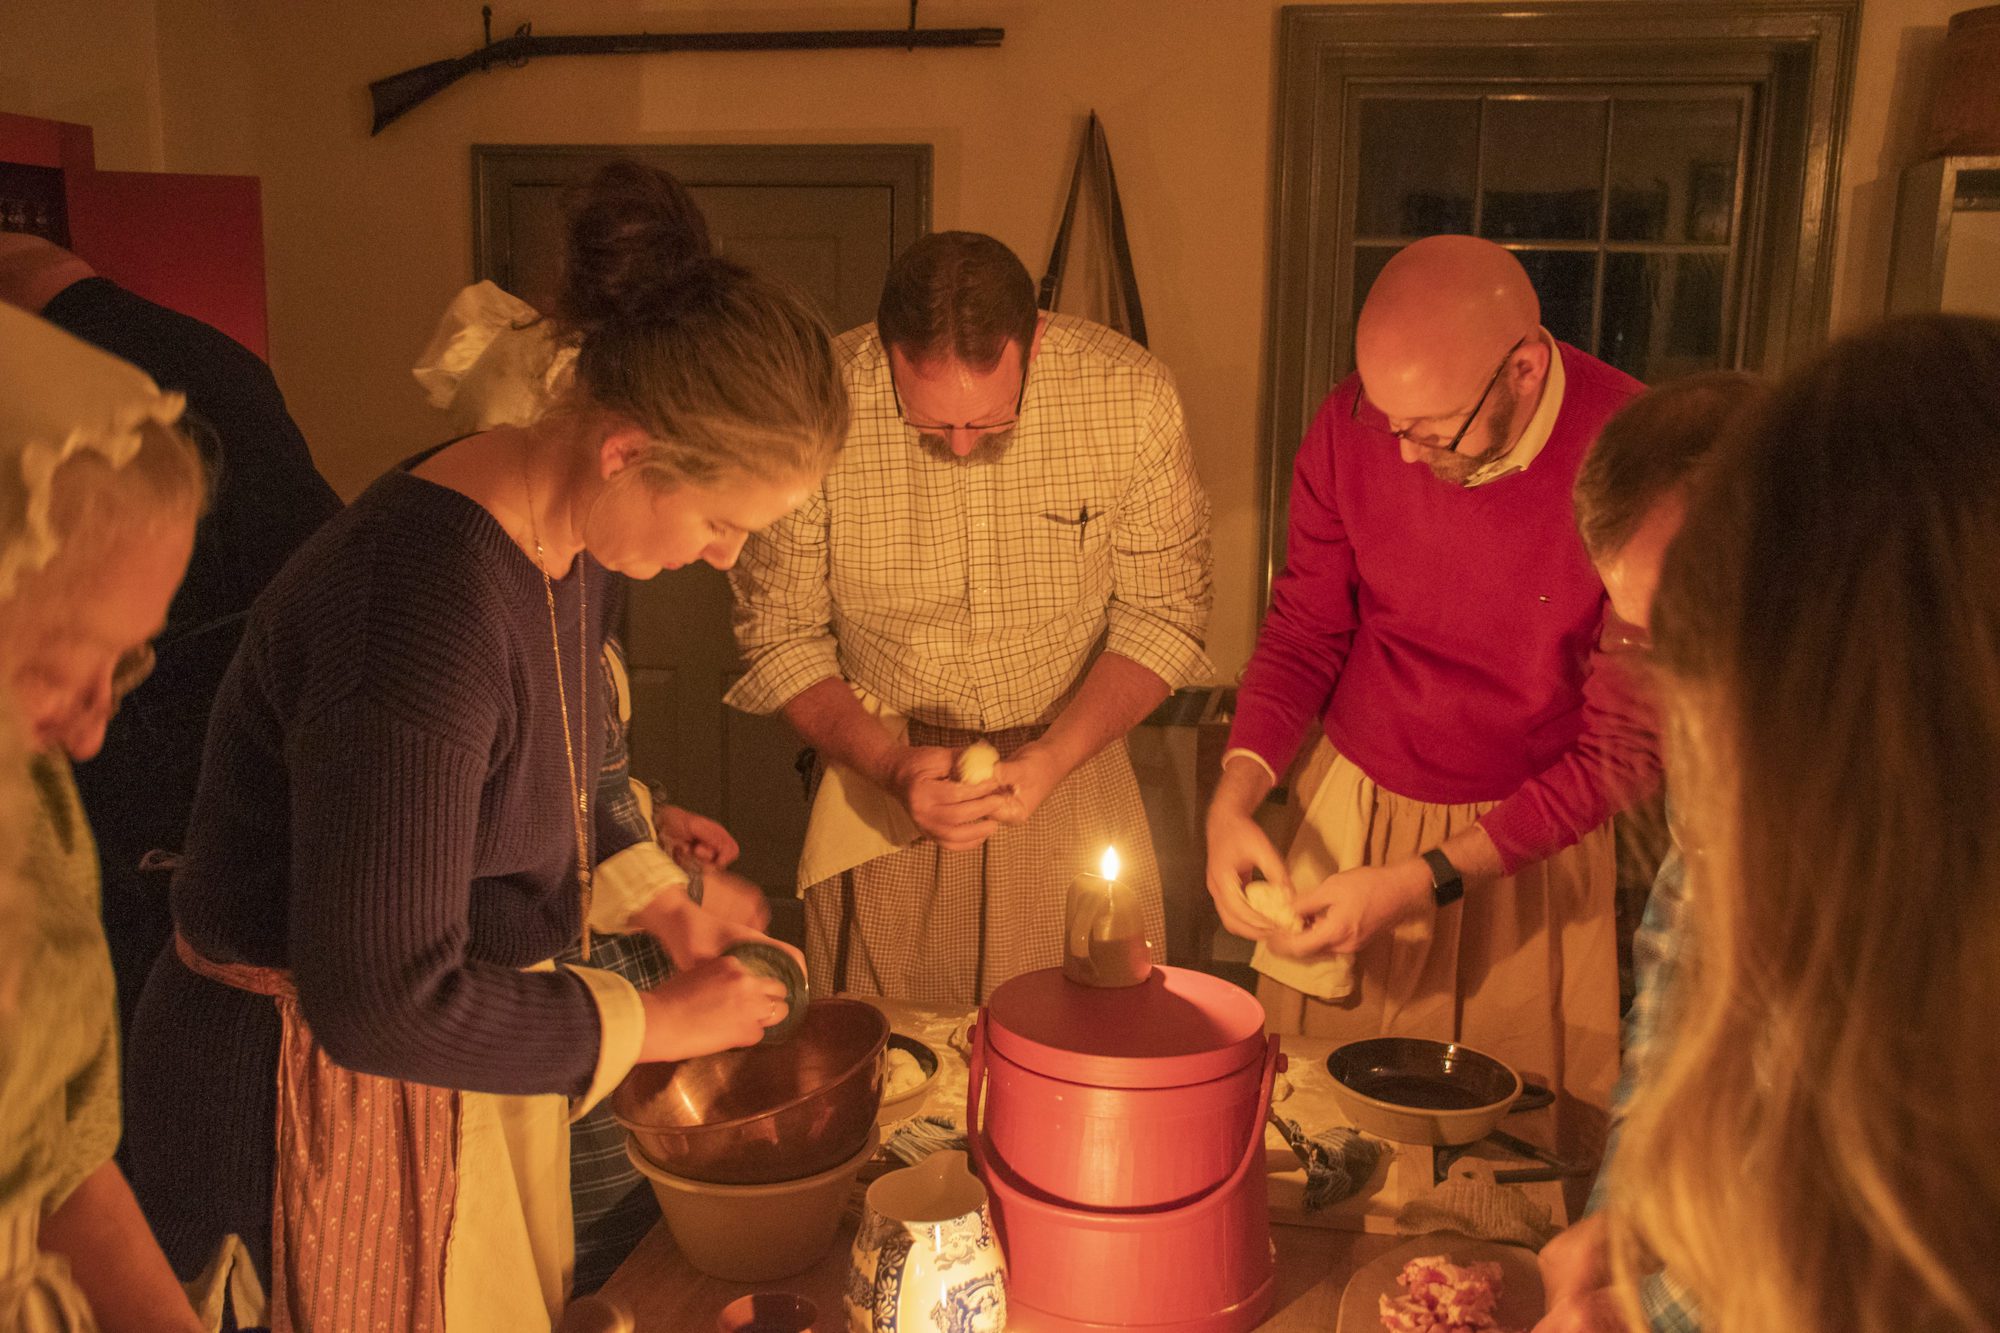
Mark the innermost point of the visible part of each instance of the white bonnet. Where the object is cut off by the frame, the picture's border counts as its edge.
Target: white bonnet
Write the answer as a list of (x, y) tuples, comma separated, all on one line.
[(59, 396), (492, 362)]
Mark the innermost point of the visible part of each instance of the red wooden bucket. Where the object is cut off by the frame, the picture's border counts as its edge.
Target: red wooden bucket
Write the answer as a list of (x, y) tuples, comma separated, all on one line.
[(1129, 1098), (1200, 1267)]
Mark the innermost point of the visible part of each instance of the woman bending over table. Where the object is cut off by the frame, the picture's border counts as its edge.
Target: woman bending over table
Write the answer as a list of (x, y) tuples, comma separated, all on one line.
[(353, 1072)]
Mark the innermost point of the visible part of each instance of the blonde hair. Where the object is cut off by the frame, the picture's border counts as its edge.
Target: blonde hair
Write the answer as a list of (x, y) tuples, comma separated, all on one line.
[(728, 372), (1815, 1149)]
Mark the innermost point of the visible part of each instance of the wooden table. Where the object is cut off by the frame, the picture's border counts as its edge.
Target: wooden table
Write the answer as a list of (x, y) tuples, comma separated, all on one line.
[(665, 1295)]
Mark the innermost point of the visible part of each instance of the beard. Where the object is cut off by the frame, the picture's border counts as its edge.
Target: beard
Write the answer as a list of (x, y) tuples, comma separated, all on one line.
[(1483, 443), (991, 449)]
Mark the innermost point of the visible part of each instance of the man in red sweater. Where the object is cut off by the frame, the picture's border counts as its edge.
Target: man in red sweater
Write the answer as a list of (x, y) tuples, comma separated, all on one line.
[(1455, 870)]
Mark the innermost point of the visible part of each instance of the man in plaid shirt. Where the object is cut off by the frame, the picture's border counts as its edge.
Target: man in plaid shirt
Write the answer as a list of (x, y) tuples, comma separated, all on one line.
[(1013, 545), (1631, 496)]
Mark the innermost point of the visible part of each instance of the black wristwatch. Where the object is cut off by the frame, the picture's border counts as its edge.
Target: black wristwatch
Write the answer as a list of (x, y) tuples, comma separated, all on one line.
[(1447, 885)]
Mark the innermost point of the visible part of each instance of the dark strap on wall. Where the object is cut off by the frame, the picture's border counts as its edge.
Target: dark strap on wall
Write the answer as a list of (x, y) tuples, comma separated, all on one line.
[(1095, 159)]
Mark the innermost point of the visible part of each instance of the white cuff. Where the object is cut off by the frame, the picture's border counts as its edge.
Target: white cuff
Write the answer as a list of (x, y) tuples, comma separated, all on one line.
[(1262, 762), (626, 881), (621, 1019)]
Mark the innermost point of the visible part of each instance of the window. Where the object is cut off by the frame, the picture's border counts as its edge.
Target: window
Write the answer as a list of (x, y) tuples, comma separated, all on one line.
[(1632, 231), (1664, 172)]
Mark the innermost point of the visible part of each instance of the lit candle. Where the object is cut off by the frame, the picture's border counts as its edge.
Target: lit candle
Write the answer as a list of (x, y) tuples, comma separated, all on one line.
[(1105, 930)]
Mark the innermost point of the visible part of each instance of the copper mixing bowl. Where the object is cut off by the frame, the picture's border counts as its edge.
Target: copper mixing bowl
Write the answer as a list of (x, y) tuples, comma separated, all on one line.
[(763, 1114)]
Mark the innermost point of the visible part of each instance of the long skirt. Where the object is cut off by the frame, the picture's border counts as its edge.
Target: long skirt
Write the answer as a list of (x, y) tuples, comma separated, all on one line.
[(1524, 968)]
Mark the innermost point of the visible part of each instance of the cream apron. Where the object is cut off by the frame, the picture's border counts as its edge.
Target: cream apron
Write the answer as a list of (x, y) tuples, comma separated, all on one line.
[(922, 923), (1524, 968)]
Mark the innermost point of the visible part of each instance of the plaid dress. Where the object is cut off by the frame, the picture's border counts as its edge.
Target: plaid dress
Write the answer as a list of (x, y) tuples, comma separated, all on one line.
[(1659, 948), (613, 1205)]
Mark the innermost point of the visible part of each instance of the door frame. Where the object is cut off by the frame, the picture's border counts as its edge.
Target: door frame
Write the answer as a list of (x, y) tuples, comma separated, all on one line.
[(903, 169)]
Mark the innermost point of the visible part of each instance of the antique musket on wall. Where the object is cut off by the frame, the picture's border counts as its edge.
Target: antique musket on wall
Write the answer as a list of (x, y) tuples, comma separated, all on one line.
[(396, 95)]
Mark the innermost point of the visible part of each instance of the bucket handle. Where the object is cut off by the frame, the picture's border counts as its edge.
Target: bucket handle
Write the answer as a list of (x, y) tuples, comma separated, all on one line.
[(1253, 1151), (975, 1089)]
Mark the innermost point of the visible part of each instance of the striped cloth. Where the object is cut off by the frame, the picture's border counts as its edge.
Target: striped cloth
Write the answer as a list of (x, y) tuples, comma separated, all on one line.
[(613, 1205), (944, 927)]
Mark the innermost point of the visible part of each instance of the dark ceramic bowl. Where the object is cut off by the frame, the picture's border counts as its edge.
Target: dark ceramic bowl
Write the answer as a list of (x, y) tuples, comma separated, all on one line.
[(1418, 1091)]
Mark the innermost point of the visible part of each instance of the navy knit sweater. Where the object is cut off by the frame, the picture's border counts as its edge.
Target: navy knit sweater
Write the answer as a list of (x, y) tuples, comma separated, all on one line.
[(384, 811)]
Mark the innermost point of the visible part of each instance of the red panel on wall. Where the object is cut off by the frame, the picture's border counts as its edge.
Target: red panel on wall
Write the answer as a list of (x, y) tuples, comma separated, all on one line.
[(45, 143), (192, 243)]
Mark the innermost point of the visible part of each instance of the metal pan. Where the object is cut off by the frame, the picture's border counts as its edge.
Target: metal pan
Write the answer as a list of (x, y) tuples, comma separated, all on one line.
[(1416, 1091)]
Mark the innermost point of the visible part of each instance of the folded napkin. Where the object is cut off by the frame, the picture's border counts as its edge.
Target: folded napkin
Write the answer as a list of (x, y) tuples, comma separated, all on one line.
[(1471, 1203), (854, 821), (1327, 978)]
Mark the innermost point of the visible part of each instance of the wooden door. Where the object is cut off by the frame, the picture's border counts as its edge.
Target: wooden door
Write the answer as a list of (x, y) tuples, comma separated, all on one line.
[(827, 219)]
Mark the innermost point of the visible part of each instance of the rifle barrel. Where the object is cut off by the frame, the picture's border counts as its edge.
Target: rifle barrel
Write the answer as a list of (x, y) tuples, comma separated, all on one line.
[(825, 39), (395, 96)]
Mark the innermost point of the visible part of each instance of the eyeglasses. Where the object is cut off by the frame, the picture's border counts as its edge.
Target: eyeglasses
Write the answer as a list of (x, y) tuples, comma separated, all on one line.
[(131, 671), (991, 433), (1354, 409)]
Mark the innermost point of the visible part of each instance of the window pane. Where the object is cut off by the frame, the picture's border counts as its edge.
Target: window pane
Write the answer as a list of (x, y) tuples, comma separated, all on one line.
[(1663, 314), (1419, 157), (1544, 169), (1368, 262), (1566, 280), (1673, 169)]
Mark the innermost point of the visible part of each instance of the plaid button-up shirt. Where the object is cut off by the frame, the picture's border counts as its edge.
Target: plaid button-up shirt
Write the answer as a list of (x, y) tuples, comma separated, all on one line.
[(977, 594)]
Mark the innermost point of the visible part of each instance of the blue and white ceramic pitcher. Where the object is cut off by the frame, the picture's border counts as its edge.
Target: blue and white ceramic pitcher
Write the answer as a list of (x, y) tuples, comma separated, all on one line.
[(926, 1259)]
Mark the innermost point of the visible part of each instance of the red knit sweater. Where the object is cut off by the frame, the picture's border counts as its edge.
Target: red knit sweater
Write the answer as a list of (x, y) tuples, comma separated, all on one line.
[(1452, 641)]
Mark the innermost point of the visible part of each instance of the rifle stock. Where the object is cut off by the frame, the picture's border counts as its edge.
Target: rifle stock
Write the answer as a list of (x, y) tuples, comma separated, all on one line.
[(398, 94), (395, 96)]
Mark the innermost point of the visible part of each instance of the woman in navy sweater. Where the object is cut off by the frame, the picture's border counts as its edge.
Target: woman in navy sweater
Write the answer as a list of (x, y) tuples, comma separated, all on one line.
[(354, 1068)]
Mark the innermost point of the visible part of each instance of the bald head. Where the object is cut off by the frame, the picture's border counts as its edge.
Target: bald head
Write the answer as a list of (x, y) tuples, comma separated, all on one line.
[(1437, 321), (33, 271)]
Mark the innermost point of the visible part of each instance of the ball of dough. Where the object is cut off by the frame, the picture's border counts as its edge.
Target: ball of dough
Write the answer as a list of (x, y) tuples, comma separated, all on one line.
[(976, 761), (1274, 905), (902, 1075)]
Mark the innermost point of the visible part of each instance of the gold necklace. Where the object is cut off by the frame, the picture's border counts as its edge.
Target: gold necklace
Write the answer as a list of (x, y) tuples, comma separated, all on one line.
[(578, 789)]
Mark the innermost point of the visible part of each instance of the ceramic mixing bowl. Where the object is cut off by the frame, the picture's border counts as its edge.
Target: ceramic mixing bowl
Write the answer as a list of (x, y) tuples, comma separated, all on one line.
[(755, 1233), (1413, 1090)]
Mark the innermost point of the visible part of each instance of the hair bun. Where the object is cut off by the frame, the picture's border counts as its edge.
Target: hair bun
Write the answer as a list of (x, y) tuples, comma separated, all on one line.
[(638, 249)]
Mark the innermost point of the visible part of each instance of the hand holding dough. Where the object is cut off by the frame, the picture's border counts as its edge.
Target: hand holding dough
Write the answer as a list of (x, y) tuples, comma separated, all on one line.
[(1274, 905), (976, 761)]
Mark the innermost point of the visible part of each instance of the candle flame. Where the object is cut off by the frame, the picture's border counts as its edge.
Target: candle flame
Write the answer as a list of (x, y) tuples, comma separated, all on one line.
[(1108, 866)]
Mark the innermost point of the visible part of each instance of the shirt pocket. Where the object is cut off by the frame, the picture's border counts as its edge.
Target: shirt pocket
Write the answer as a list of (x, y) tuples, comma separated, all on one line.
[(1068, 553)]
